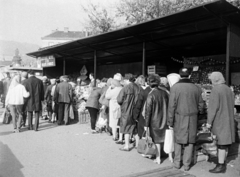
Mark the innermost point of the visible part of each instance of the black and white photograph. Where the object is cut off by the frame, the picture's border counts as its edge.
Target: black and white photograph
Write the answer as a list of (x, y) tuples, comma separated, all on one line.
[(119, 88)]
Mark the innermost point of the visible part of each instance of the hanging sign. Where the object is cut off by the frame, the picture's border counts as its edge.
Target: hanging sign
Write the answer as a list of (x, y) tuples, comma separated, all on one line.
[(152, 69), (83, 71), (48, 61)]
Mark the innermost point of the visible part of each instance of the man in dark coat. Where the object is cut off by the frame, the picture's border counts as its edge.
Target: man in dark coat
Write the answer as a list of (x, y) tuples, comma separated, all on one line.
[(185, 103), (35, 87), (63, 96), (127, 99), (24, 78)]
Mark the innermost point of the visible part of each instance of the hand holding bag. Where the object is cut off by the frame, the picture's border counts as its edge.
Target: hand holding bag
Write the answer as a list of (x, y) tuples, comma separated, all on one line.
[(146, 146), (205, 137), (169, 141)]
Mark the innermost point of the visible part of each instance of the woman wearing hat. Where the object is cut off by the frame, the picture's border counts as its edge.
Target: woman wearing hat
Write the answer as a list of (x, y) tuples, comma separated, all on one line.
[(221, 118), (156, 114), (114, 107)]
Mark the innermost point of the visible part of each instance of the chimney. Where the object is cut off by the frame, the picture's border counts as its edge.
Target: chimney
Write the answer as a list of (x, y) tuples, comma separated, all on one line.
[(65, 29)]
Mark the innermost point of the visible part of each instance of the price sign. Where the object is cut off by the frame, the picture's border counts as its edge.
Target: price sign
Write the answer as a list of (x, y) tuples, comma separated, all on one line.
[(48, 61)]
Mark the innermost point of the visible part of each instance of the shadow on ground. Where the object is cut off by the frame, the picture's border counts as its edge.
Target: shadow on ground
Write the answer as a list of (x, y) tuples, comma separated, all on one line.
[(9, 164)]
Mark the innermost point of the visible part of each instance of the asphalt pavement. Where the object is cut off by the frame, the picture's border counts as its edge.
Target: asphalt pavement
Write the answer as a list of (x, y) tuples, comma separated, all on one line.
[(72, 151)]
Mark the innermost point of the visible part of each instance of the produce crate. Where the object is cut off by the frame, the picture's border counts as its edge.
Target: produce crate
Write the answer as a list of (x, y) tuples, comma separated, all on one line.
[(83, 117)]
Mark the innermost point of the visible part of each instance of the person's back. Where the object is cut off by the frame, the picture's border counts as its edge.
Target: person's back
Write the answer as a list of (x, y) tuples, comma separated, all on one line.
[(63, 91), (185, 103)]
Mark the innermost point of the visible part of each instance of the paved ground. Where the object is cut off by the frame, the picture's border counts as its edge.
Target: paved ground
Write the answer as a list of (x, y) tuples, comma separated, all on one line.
[(70, 151)]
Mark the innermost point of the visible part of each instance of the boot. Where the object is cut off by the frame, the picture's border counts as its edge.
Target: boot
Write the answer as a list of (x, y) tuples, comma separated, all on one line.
[(220, 168)]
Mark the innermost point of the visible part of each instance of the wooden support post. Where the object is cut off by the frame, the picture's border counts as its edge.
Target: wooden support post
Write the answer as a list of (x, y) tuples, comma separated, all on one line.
[(64, 66), (228, 55), (144, 59), (95, 67)]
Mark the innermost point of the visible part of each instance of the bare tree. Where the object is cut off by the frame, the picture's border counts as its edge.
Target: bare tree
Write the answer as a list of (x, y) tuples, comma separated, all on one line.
[(99, 20)]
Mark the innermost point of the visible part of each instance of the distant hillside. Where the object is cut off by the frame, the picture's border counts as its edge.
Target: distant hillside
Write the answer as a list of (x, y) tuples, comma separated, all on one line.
[(7, 50)]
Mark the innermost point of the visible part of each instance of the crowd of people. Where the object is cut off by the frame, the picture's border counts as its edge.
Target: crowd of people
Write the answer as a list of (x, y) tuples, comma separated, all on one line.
[(131, 108)]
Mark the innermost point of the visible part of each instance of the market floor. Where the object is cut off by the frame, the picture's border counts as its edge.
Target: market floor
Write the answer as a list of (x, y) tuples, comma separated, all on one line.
[(71, 151)]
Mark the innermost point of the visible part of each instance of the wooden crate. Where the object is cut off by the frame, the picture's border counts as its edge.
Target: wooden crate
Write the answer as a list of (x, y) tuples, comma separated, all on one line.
[(83, 117)]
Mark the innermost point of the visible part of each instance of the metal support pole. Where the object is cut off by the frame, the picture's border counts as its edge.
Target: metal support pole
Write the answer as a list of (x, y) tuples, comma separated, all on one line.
[(144, 59), (95, 67), (64, 66), (228, 55)]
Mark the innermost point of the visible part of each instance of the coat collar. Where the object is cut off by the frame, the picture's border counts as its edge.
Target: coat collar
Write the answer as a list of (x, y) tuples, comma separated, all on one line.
[(184, 80)]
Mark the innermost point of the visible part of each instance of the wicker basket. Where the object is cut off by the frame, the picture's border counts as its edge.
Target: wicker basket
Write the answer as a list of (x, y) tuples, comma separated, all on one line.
[(83, 117)]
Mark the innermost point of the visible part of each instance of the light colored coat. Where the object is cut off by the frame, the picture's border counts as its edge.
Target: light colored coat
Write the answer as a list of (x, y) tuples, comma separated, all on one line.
[(114, 107)]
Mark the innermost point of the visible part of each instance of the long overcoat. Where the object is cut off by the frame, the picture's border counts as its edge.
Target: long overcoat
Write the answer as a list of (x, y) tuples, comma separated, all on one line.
[(221, 114), (156, 114), (127, 98), (185, 102), (35, 87), (138, 111)]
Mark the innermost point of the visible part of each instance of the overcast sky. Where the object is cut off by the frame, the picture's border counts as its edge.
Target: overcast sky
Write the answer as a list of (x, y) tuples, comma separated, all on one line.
[(29, 20)]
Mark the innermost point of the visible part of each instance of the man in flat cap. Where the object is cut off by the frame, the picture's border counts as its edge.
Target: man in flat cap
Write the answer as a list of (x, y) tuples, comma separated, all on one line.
[(185, 103), (34, 103), (63, 96)]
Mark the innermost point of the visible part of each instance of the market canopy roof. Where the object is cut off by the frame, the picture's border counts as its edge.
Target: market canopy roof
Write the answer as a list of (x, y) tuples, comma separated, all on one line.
[(196, 32)]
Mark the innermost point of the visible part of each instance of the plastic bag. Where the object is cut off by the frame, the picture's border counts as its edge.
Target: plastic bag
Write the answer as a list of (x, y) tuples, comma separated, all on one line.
[(71, 112), (169, 141), (102, 122)]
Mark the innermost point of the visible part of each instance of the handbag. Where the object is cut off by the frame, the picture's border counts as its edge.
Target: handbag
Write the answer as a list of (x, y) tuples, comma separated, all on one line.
[(169, 141), (204, 137), (146, 146)]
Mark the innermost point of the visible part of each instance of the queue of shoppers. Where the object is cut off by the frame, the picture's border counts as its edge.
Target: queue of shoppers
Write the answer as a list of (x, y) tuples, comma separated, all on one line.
[(130, 107)]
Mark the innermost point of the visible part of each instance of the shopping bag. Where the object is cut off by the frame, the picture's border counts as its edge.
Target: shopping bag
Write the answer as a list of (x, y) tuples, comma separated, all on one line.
[(169, 141), (101, 121), (204, 137), (146, 146), (71, 112), (7, 116)]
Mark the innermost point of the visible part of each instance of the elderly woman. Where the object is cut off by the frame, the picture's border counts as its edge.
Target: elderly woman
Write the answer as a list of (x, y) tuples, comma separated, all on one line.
[(156, 114), (114, 108), (15, 101), (221, 118)]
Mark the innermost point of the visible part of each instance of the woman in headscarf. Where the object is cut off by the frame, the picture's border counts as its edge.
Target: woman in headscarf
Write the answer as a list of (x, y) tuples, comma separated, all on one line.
[(114, 108), (156, 114), (221, 118), (15, 101)]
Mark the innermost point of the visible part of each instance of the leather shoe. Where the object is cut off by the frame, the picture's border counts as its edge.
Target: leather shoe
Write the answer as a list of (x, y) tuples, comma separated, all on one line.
[(119, 142), (186, 168), (220, 168)]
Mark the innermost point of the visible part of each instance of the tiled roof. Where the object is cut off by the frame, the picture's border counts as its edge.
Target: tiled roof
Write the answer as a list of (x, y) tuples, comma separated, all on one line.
[(65, 35)]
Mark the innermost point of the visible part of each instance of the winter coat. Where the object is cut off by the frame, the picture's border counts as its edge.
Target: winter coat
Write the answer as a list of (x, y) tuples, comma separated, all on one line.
[(127, 98), (48, 96), (63, 93), (35, 87), (139, 109), (93, 99), (185, 102), (156, 114), (114, 107), (221, 114)]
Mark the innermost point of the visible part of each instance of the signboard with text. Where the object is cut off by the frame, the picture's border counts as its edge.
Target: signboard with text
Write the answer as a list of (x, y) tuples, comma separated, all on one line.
[(48, 61)]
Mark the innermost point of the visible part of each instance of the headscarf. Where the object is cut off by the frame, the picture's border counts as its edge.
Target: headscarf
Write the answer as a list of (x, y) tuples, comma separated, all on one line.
[(117, 76), (140, 80), (173, 79), (15, 81), (109, 81), (116, 83), (217, 78), (164, 81)]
